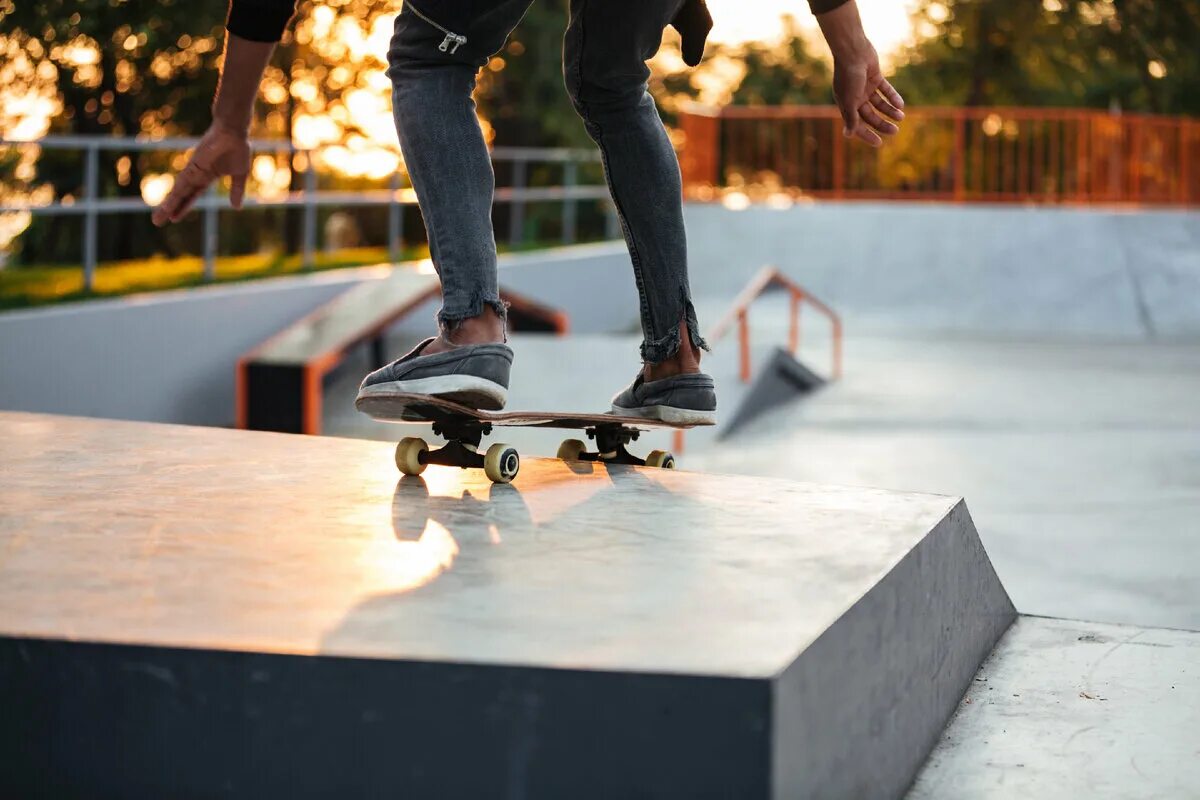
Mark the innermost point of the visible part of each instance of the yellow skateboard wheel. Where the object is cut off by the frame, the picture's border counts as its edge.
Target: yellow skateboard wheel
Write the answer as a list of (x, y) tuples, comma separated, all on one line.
[(501, 463), (571, 450), (661, 459), (408, 455)]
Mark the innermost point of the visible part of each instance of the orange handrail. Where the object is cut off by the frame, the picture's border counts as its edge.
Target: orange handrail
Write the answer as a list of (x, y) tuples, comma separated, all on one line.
[(739, 312), (767, 278)]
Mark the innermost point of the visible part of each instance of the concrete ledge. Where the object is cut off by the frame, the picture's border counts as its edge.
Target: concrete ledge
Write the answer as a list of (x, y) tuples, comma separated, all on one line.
[(189, 611)]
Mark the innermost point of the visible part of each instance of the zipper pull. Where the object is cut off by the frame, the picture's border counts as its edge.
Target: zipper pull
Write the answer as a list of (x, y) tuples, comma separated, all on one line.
[(445, 45), (457, 41)]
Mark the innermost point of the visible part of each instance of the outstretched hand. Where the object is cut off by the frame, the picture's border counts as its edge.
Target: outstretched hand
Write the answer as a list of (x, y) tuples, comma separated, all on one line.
[(222, 150), (870, 106)]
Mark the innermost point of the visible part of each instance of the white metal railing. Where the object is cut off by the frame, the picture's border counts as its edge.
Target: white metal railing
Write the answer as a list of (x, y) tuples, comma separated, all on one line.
[(90, 206)]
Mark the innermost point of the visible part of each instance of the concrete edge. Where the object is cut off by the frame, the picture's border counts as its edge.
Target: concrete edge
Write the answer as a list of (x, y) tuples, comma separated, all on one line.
[(858, 712)]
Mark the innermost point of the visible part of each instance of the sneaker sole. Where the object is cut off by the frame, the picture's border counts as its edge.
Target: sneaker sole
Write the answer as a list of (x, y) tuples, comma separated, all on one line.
[(669, 414), (469, 390)]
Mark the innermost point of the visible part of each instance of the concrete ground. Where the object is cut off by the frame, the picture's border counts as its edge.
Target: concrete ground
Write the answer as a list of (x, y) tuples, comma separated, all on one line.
[(1080, 461), (1075, 709)]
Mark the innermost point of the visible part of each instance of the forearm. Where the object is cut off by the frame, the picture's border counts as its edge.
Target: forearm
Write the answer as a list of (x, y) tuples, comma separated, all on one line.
[(259, 20), (241, 74), (823, 6), (843, 31)]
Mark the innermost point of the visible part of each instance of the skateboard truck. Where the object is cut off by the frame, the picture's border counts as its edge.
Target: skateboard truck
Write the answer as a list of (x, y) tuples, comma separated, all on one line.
[(610, 448), (501, 462)]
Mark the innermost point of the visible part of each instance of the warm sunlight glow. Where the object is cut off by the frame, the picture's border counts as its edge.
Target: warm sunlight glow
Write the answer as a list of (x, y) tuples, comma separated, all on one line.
[(155, 188), (886, 21), (400, 566)]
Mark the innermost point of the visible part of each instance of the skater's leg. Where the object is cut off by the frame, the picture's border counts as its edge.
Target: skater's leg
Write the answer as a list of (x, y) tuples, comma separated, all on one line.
[(607, 45), (437, 48)]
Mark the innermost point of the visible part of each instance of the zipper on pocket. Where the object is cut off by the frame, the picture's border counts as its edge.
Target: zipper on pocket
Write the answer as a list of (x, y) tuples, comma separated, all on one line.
[(452, 41)]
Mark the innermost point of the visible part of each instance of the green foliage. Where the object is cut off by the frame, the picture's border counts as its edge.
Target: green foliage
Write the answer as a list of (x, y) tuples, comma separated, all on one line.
[(784, 74), (1137, 55), (523, 95)]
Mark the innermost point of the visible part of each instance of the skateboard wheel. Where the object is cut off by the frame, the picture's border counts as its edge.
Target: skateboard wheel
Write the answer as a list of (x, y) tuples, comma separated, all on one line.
[(408, 455), (661, 459), (501, 463), (571, 450)]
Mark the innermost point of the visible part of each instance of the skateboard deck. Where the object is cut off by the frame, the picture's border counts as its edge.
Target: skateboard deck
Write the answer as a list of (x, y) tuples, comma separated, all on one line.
[(463, 429)]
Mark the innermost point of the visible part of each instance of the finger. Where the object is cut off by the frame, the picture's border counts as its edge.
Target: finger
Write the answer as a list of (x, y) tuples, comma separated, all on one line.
[(170, 204), (849, 120), (887, 109), (869, 136), (185, 204), (194, 179), (872, 118), (891, 94), (237, 189)]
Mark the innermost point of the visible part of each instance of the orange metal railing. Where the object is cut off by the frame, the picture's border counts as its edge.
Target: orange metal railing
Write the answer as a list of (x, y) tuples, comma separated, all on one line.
[(766, 279), (739, 312), (1026, 155)]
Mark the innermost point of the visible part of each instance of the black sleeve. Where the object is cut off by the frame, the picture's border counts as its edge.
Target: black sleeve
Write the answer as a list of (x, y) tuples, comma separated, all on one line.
[(821, 6), (259, 20)]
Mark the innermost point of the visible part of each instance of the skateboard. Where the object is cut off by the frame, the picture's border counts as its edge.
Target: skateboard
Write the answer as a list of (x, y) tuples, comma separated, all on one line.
[(463, 428)]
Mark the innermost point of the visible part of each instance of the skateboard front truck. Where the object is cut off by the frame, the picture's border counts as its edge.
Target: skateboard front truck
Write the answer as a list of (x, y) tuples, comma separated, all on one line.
[(500, 463)]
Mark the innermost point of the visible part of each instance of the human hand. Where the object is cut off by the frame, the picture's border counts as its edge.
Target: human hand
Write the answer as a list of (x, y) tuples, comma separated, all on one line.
[(870, 106), (223, 150)]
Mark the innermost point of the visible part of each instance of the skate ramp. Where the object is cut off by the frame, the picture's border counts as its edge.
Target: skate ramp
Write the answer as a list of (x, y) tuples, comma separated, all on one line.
[(989, 270), (201, 611)]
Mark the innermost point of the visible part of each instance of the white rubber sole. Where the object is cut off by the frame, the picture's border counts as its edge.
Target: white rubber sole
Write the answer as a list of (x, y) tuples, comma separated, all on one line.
[(467, 389), (669, 414)]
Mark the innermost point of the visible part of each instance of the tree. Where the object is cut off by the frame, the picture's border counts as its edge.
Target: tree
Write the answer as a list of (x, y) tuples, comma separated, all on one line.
[(105, 75), (1137, 55)]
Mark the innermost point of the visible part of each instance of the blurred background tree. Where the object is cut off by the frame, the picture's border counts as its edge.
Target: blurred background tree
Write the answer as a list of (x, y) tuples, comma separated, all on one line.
[(1135, 55), (126, 67), (103, 70)]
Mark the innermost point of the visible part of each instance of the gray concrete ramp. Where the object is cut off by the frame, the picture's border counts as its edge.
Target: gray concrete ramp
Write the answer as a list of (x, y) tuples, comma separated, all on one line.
[(189, 611)]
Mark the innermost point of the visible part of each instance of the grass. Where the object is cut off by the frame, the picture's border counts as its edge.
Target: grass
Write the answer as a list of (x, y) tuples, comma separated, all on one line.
[(22, 287)]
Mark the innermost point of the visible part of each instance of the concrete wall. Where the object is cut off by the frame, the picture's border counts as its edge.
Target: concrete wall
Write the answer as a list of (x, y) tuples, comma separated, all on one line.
[(1004, 270), (169, 356), (160, 357)]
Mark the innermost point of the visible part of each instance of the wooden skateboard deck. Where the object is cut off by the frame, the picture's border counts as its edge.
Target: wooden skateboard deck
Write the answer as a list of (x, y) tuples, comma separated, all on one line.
[(463, 429), (421, 408)]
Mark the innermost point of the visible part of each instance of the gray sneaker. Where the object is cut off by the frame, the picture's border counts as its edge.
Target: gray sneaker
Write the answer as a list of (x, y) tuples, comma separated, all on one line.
[(682, 399), (474, 375)]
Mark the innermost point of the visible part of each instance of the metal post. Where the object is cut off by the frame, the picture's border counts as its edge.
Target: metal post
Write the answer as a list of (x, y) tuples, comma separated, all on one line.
[(744, 345), (210, 233), (570, 179), (794, 325), (839, 160), (310, 211), (612, 226), (1185, 170), (960, 156), (395, 221), (516, 208), (91, 188)]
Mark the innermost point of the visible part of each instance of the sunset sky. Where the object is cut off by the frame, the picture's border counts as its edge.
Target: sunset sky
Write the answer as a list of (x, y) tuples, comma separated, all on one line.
[(886, 21)]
